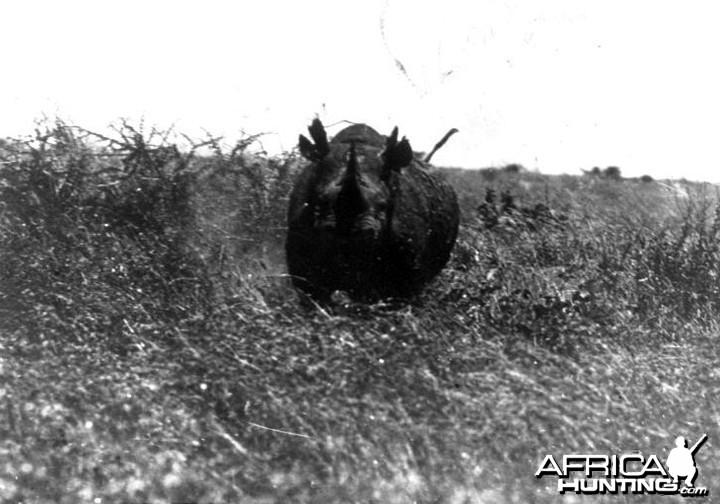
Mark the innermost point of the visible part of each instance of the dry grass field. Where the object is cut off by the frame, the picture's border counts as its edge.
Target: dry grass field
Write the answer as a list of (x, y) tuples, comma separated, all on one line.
[(152, 349)]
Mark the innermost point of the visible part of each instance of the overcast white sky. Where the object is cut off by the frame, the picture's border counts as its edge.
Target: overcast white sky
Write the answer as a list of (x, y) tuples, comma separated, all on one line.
[(555, 85)]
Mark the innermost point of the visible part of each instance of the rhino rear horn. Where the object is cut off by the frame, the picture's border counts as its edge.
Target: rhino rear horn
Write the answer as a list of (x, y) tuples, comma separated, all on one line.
[(318, 150)]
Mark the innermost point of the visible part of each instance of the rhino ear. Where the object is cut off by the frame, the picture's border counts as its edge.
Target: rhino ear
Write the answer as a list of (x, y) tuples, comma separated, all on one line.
[(392, 139), (403, 153), (307, 149), (319, 136), (396, 154)]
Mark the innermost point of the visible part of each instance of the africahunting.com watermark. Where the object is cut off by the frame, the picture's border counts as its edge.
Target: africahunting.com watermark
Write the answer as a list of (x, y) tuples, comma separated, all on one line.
[(630, 473)]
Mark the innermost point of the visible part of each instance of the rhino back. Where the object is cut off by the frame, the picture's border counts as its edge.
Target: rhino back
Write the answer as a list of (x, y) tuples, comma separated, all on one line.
[(360, 133), (425, 220)]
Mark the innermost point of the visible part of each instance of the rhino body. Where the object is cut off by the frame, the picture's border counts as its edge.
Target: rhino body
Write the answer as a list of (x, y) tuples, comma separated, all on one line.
[(366, 217)]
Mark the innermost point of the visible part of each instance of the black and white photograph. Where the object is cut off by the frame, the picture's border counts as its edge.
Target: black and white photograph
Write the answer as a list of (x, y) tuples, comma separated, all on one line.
[(392, 251)]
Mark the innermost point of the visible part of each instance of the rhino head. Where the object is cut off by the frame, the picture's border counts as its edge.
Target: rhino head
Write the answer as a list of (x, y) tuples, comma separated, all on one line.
[(352, 190)]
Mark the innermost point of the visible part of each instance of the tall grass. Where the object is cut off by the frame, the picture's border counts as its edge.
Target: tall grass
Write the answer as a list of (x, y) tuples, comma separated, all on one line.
[(152, 349)]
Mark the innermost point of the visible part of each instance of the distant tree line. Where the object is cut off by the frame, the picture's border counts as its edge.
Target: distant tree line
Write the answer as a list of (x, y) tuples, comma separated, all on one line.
[(611, 172)]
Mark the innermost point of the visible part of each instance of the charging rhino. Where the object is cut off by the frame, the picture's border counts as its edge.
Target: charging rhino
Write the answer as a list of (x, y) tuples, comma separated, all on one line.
[(366, 217)]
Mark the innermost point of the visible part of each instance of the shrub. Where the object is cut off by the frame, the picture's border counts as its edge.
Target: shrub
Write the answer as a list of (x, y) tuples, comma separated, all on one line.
[(85, 224), (612, 173)]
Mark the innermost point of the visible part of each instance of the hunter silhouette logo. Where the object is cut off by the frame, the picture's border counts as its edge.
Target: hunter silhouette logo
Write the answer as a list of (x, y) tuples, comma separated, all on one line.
[(631, 473), (681, 461)]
